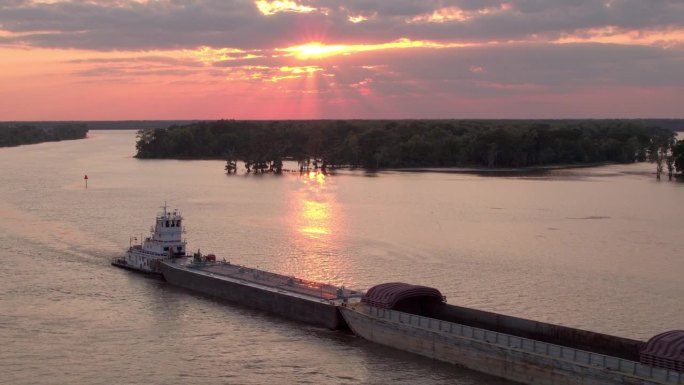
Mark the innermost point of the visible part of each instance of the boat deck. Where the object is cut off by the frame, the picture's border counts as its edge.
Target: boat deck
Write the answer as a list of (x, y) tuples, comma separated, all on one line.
[(283, 283)]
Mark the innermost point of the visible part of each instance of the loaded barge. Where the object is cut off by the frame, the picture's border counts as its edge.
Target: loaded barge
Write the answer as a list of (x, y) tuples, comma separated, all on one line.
[(417, 319)]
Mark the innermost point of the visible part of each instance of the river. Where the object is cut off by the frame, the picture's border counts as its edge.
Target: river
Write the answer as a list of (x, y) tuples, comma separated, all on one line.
[(596, 248)]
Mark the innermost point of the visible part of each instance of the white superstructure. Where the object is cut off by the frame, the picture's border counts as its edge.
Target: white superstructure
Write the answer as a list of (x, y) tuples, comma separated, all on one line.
[(165, 241)]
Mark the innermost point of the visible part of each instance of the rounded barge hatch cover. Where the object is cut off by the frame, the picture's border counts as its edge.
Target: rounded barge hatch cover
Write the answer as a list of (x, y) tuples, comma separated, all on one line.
[(666, 350), (389, 295)]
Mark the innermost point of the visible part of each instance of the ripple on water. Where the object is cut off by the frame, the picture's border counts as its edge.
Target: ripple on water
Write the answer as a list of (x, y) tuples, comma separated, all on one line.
[(606, 260)]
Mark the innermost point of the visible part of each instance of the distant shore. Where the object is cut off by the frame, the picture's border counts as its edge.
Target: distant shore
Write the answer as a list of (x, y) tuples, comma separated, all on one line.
[(12, 135)]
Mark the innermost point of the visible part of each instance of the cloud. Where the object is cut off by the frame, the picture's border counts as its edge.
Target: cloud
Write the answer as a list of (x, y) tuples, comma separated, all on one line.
[(412, 57), (138, 25), (478, 71)]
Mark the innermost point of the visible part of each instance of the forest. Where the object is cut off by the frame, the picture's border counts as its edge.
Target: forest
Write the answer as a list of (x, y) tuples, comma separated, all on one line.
[(375, 144), (16, 134)]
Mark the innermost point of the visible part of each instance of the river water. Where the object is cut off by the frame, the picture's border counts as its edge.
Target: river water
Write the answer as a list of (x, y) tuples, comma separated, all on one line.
[(595, 248)]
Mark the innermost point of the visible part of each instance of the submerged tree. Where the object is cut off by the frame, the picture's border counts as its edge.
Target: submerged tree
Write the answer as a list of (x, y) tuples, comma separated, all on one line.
[(231, 166), (670, 166), (660, 150), (231, 162), (678, 156)]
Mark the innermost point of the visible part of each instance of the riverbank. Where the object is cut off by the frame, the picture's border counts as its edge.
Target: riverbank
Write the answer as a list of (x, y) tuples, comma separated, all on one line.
[(393, 144), (12, 134)]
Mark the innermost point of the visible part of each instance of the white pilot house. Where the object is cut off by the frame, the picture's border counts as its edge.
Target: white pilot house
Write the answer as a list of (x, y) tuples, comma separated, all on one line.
[(165, 241)]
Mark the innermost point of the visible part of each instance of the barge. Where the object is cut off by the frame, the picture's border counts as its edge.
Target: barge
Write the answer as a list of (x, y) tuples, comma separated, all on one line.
[(294, 298), (417, 319)]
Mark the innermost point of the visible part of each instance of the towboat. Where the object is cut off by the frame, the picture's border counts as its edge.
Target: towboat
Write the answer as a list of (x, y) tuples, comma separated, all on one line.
[(164, 242)]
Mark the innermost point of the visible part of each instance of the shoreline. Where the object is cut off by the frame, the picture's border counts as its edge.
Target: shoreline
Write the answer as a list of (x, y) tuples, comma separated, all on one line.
[(421, 169), (504, 170)]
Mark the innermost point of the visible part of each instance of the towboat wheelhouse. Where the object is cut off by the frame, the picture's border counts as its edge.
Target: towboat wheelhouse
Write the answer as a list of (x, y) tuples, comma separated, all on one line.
[(165, 241)]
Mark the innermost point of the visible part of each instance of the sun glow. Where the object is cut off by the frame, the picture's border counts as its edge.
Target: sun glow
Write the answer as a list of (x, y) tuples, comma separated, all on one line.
[(315, 222), (316, 206), (442, 15), (209, 55), (614, 35), (269, 8), (317, 176), (317, 50), (456, 14), (357, 18), (316, 214), (320, 50)]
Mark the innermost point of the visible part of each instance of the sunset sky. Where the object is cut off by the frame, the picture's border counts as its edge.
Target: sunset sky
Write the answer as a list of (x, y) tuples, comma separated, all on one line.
[(297, 59)]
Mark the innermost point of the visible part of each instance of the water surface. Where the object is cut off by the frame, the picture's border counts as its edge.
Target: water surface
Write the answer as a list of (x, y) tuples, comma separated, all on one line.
[(596, 248)]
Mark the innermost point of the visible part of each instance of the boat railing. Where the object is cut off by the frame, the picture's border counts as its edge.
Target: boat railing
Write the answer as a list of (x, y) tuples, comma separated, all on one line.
[(531, 346)]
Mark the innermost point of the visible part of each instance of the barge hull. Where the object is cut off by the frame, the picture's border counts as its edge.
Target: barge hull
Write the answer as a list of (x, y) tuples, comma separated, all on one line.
[(321, 313), (433, 339), (153, 274)]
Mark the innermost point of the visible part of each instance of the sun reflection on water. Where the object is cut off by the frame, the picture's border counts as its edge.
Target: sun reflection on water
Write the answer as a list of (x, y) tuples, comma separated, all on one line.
[(316, 206), (314, 221)]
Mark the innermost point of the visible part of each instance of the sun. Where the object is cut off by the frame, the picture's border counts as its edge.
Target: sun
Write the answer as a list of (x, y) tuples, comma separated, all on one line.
[(316, 50)]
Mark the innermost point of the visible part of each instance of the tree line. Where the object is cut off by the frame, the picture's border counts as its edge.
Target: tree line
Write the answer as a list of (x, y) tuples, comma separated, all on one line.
[(373, 144), (15, 134)]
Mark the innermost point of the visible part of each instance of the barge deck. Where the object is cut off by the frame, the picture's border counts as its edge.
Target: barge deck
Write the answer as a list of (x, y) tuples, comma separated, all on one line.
[(301, 300)]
